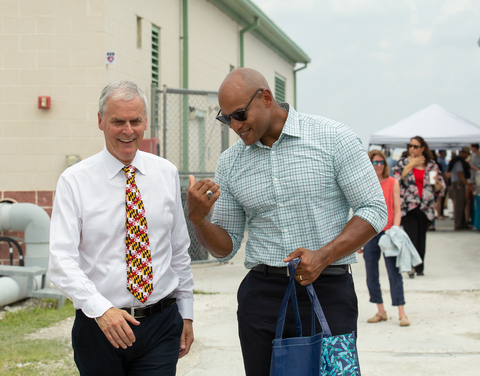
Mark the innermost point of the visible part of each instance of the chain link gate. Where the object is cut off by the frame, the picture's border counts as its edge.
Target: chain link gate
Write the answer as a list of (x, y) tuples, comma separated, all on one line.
[(183, 121)]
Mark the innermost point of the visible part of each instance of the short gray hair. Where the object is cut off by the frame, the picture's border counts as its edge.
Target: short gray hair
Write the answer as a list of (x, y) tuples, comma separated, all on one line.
[(126, 90)]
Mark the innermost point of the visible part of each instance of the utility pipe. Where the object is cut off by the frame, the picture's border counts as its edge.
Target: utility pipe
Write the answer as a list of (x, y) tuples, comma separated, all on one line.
[(295, 85), (13, 289), (252, 26), (186, 112), (35, 223)]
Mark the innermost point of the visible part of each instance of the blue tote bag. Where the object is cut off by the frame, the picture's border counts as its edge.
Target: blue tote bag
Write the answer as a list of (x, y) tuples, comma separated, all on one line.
[(318, 354)]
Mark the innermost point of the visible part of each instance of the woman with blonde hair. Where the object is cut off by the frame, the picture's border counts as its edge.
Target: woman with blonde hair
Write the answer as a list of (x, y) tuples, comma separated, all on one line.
[(372, 251)]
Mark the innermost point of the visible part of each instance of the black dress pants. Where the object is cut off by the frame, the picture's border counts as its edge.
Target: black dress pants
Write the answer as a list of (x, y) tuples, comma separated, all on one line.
[(415, 223), (259, 299), (154, 352)]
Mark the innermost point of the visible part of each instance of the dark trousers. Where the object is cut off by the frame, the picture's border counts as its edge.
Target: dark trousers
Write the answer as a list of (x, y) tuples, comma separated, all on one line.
[(154, 352), (371, 254), (415, 223), (442, 206), (459, 196), (259, 300)]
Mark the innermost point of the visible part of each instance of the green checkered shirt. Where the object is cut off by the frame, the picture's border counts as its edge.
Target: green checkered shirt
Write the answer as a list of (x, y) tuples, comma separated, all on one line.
[(297, 193)]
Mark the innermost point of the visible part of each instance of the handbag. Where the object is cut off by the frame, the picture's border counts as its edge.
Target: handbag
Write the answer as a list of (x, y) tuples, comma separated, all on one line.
[(318, 354)]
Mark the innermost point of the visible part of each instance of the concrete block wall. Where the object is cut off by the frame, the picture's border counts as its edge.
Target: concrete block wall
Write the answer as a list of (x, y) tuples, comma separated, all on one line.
[(48, 48), (133, 62), (57, 48)]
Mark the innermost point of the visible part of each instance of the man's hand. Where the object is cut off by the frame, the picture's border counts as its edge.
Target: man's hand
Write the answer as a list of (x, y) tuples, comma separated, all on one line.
[(186, 339), (115, 327), (310, 267), (200, 199), (201, 196), (355, 235)]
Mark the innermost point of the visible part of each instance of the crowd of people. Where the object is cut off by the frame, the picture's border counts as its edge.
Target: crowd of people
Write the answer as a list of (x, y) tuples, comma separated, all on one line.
[(415, 191), (459, 174)]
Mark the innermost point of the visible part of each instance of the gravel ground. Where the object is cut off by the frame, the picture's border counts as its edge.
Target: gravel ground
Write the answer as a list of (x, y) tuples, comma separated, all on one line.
[(60, 330)]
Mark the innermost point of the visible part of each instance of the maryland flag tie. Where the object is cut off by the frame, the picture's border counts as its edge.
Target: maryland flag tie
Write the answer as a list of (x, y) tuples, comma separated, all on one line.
[(138, 257)]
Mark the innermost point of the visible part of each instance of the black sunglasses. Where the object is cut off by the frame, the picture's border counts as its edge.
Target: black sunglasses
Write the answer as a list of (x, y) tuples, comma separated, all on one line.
[(378, 162), (240, 115), (413, 146)]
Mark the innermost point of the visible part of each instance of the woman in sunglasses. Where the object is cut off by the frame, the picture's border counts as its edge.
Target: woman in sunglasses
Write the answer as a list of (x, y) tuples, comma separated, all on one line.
[(417, 193), (371, 251)]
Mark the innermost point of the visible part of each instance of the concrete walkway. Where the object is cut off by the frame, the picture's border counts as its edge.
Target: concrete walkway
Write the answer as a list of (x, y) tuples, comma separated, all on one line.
[(443, 308)]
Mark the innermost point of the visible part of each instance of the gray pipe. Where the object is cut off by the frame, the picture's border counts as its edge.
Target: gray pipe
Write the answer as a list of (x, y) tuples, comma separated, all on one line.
[(35, 223)]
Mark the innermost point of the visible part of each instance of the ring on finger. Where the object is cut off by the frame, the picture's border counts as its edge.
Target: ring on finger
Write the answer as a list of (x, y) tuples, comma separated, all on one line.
[(300, 277), (209, 193)]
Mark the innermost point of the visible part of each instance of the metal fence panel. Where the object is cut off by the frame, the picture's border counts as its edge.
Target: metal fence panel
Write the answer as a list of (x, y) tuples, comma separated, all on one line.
[(184, 122)]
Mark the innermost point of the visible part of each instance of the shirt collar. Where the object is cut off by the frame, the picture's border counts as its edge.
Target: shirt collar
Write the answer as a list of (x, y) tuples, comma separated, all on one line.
[(291, 126), (113, 166)]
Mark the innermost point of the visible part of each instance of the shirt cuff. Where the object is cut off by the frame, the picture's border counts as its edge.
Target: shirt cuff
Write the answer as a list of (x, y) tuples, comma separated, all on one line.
[(96, 306), (185, 308)]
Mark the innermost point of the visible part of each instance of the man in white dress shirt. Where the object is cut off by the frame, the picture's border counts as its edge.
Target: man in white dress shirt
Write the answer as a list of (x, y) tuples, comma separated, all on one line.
[(114, 332)]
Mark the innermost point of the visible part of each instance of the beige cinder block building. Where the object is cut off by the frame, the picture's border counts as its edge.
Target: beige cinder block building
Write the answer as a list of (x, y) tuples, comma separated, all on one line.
[(58, 49)]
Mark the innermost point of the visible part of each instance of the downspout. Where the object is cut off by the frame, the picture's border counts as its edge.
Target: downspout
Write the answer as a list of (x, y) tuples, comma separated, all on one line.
[(295, 85), (35, 223), (185, 43), (254, 25), (186, 112)]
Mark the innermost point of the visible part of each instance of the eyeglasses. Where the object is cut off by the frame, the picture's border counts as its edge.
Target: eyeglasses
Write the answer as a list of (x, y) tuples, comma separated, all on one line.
[(240, 115), (413, 146), (378, 162)]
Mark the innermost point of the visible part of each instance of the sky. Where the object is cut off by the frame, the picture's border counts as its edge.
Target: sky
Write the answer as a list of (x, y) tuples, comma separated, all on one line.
[(376, 62)]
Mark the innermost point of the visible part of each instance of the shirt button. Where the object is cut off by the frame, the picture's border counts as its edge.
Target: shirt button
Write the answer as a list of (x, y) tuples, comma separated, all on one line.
[(91, 312), (281, 205), (275, 179), (273, 152), (285, 230)]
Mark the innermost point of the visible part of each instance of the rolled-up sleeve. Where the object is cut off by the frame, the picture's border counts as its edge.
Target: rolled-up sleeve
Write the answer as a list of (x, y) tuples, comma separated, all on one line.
[(357, 179)]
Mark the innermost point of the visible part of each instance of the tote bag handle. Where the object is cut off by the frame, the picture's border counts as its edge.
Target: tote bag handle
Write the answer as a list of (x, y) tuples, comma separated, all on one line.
[(291, 293)]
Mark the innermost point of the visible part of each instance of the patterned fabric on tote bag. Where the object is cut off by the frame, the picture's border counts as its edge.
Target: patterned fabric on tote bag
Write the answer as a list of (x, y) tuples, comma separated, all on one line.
[(339, 356)]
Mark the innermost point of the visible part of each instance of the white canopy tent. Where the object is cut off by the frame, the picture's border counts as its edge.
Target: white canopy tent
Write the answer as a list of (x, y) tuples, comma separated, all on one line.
[(440, 128)]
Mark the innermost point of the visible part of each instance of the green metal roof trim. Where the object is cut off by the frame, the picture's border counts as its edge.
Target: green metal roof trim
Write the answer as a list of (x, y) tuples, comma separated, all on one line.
[(245, 11)]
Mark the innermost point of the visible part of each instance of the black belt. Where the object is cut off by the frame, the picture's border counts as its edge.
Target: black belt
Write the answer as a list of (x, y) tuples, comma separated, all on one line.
[(139, 312), (283, 271)]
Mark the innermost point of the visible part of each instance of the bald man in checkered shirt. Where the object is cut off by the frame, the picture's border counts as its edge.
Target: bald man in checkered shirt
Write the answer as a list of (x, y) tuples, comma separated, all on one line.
[(292, 178)]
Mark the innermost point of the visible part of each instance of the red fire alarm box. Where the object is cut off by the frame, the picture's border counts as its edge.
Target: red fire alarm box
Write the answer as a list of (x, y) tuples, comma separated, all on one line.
[(44, 102)]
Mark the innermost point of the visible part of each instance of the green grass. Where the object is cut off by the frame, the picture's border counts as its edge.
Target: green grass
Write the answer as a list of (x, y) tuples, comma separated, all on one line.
[(25, 357)]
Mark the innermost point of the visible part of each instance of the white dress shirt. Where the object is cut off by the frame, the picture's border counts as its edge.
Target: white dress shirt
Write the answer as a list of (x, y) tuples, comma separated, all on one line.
[(87, 234)]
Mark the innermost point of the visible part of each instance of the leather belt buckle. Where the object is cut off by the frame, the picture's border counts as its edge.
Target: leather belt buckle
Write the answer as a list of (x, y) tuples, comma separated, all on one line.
[(140, 312)]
